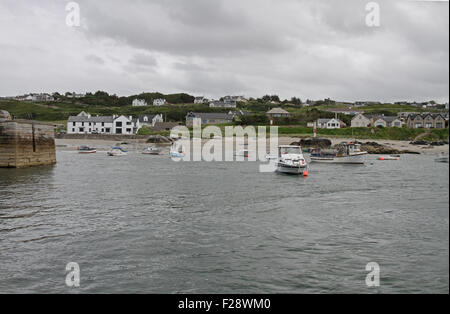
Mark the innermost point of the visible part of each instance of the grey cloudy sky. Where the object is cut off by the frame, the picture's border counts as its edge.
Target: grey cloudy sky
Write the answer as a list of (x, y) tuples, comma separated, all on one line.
[(305, 48)]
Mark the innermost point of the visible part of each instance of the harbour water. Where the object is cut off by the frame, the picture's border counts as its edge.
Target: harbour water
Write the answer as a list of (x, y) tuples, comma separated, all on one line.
[(146, 224)]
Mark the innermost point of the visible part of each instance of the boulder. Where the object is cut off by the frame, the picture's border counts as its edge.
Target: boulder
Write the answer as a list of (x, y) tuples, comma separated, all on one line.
[(314, 142)]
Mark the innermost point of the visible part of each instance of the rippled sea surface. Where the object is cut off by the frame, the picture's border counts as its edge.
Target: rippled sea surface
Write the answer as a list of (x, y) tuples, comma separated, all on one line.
[(146, 224)]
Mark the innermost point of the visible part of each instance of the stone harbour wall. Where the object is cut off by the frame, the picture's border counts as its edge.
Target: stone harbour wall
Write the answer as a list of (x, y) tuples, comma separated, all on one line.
[(26, 143)]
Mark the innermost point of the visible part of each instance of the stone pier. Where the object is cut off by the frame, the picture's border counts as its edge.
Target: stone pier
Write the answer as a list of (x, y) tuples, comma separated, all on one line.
[(25, 143)]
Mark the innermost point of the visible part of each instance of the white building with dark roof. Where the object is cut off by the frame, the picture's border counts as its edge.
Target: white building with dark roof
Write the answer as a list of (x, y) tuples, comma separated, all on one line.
[(84, 123)]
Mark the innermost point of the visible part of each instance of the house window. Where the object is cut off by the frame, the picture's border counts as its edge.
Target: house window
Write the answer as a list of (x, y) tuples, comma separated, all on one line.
[(128, 130), (128, 123), (118, 131), (118, 124), (73, 124), (107, 130), (428, 125), (103, 130), (73, 130), (82, 123), (418, 125), (439, 125), (81, 129), (103, 123)]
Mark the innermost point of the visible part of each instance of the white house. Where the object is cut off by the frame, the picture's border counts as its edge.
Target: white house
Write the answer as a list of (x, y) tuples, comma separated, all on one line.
[(159, 102), (329, 123), (139, 103), (200, 100), (222, 104), (150, 119), (360, 121), (84, 123)]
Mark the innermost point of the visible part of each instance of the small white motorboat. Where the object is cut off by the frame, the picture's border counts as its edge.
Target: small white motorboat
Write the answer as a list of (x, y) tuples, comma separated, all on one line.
[(117, 152), (152, 151), (291, 160), (176, 154), (347, 153), (86, 150)]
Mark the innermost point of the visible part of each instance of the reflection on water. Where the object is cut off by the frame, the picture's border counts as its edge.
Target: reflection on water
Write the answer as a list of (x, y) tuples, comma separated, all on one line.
[(147, 224)]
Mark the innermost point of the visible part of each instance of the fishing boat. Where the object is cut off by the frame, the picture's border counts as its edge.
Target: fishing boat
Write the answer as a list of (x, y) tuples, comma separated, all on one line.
[(117, 151), (347, 153), (152, 151), (291, 160), (86, 150)]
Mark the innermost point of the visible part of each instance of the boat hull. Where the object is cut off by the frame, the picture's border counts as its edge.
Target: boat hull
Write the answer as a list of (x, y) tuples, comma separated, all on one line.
[(354, 159), (289, 169), (87, 152)]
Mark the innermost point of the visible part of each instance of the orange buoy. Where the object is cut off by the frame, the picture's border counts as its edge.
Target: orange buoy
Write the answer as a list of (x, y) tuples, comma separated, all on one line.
[(306, 173)]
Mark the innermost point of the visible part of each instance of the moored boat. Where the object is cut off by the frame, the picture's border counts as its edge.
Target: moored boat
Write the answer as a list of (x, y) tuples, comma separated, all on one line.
[(347, 153), (152, 151), (117, 151), (291, 160), (86, 150)]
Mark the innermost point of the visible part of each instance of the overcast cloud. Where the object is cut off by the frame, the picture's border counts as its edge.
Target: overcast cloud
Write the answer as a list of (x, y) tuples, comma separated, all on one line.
[(310, 49)]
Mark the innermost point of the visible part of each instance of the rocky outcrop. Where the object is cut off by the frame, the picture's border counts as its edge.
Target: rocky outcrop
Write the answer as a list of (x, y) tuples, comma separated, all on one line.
[(376, 148), (314, 142), (159, 139)]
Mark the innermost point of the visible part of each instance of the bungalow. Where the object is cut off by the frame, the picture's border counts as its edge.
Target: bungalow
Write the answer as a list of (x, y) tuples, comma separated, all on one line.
[(222, 104), (195, 118), (200, 100), (150, 119), (387, 122), (278, 113), (159, 102), (328, 123), (139, 103), (360, 121), (428, 120)]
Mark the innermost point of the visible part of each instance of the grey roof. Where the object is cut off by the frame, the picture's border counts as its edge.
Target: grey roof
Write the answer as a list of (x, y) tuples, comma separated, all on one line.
[(210, 115), (99, 119), (278, 111), (321, 121), (149, 116)]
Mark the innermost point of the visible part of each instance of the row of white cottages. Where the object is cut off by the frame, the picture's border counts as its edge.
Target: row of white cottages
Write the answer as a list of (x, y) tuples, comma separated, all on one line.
[(84, 123)]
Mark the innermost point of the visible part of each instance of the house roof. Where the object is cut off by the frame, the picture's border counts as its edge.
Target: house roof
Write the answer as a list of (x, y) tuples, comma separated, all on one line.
[(99, 119), (210, 115), (161, 126), (278, 111), (322, 121), (149, 116)]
